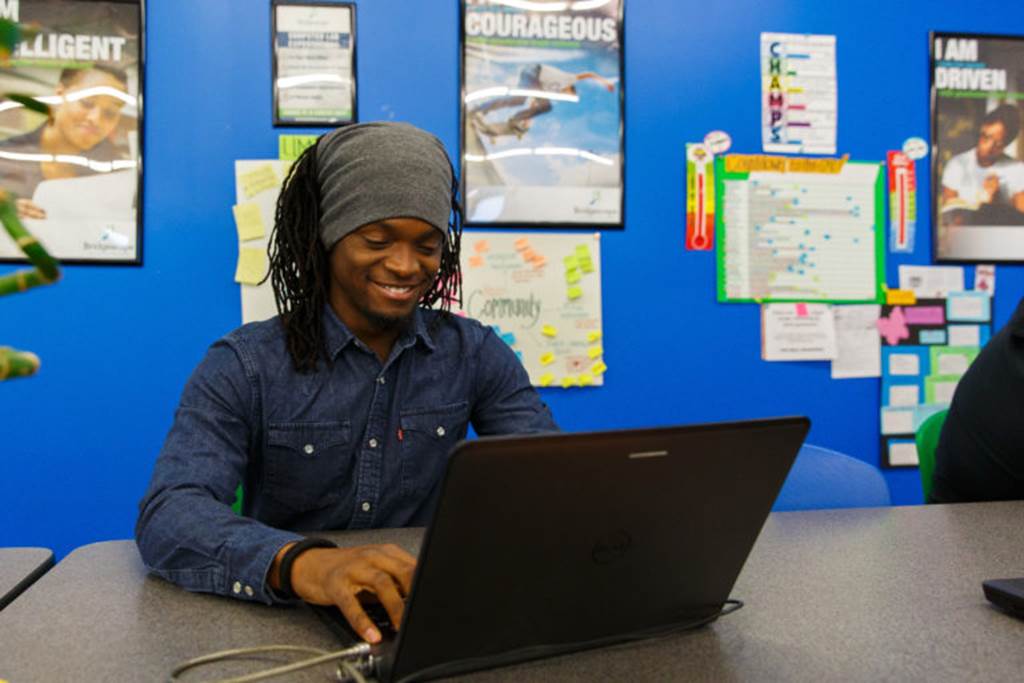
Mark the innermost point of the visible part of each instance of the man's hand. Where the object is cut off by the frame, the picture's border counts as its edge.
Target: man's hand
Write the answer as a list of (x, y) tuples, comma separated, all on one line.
[(990, 188), (337, 576), (28, 209)]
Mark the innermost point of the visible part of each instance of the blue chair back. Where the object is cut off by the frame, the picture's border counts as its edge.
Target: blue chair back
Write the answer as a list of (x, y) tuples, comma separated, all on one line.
[(823, 478)]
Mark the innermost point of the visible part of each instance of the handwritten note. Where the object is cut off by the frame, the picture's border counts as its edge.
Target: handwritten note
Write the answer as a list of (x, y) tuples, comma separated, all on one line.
[(248, 221), (252, 266), (259, 180)]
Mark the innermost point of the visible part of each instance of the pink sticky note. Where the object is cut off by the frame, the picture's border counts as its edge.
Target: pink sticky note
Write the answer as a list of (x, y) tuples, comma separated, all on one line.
[(925, 315), (894, 328), (801, 310)]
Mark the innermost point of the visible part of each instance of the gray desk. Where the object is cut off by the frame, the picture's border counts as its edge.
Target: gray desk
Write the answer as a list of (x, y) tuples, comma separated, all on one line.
[(851, 595), (19, 569)]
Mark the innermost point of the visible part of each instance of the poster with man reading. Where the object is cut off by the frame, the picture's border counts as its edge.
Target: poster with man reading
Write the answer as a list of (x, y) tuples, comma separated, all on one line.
[(75, 174), (978, 165)]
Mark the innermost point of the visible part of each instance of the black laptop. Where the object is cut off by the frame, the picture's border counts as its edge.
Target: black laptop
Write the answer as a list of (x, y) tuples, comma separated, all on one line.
[(547, 544)]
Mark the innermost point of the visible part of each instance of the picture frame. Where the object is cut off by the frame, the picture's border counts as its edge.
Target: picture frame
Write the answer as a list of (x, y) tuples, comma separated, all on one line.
[(542, 114), (77, 174), (976, 88), (306, 36)]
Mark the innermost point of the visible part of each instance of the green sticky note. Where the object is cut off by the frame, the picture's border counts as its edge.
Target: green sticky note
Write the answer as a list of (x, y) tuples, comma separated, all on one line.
[(575, 292), (572, 276), (570, 263), (289, 147)]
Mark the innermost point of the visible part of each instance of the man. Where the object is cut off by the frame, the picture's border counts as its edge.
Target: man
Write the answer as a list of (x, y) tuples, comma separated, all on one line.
[(985, 180), (340, 412), (539, 79), (980, 455)]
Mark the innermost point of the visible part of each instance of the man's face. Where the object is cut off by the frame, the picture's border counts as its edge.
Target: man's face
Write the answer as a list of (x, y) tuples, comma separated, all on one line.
[(991, 143), (380, 272)]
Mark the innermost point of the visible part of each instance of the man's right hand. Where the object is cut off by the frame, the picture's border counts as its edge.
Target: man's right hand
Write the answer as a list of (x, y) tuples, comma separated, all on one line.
[(990, 188), (337, 576)]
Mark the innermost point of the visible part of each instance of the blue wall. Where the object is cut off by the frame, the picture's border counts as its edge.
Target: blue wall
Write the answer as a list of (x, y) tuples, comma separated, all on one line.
[(117, 343)]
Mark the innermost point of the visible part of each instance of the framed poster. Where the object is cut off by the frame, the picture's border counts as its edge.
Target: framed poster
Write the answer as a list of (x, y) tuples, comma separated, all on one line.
[(542, 113), (977, 86), (314, 63), (77, 175)]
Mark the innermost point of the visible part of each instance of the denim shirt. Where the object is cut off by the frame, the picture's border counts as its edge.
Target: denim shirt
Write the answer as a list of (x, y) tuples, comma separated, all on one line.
[(356, 445)]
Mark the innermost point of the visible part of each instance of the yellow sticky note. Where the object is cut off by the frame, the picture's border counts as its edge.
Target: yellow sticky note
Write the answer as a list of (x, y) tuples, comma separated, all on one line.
[(593, 336), (575, 292), (546, 379), (248, 221), (582, 252), (586, 379), (572, 276), (900, 297), (549, 330), (570, 263), (547, 359), (595, 352), (252, 266), (598, 368), (586, 265), (569, 381), (259, 180)]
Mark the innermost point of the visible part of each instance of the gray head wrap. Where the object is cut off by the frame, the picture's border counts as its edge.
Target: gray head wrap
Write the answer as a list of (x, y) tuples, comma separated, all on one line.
[(370, 172)]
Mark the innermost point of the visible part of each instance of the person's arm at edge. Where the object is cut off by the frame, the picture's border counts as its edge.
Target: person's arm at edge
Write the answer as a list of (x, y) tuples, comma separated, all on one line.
[(186, 531), (505, 402)]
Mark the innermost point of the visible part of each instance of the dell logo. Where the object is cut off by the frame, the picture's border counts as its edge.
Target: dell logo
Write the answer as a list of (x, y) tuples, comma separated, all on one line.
[(611, 547)]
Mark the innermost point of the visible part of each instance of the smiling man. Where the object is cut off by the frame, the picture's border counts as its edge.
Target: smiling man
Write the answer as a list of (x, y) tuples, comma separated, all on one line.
[(340, 412)]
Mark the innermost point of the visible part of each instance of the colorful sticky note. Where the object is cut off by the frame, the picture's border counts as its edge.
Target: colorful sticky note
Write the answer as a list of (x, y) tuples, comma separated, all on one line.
[(546, 379), (900, 297), (248, 221), (571, 262), (575, 292), (801, 310), (259, 180), (547, 358), (586, 379), (528, 254), (481, 246), (476, 261), (582, 252), (252, 266), (569, 381), (522, 243), (598, 368), (572, 276), (595, 352), (539, 261), (509, 338), (593, 336), (549, 330), (289, 147)]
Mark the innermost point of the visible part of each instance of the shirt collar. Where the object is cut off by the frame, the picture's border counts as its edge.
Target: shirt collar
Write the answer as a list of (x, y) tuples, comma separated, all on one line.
[(337, 335)]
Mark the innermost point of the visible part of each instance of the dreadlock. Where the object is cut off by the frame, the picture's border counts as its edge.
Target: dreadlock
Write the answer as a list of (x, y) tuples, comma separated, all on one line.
[(300, 266)]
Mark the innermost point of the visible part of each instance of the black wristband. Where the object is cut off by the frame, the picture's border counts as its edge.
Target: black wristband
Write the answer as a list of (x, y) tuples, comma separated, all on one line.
[(284, 570)]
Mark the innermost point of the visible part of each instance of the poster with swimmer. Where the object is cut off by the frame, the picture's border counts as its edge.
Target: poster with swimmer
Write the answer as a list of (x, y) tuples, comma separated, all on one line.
[(542, 113), (75, 175)]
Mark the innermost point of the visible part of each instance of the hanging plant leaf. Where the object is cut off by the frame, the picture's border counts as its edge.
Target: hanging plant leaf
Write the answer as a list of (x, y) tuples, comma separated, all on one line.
[(10, 36), (30, 103)]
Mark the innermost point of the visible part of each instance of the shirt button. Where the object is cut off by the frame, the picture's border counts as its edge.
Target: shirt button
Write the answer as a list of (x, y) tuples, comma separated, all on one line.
[(373, 443), (308, 448), (381, 380), (237, 588), (440, 431), (248, 591), (366, 507)]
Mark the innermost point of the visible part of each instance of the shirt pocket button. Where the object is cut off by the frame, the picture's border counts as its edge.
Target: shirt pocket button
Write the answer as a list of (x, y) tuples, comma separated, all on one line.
[(308, 448), (440, 431)]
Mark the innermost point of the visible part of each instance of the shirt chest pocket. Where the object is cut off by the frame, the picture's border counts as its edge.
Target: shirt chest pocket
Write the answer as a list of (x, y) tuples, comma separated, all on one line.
[(428, 436), (307, 464)]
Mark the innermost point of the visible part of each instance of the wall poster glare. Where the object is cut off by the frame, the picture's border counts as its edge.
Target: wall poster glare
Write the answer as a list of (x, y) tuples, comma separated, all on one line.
[(542, 112), (76, 175), (978, 162)]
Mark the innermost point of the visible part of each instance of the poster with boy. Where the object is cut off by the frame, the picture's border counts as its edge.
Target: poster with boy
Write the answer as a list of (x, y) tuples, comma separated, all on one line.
[(75, 174), (542, 113)]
